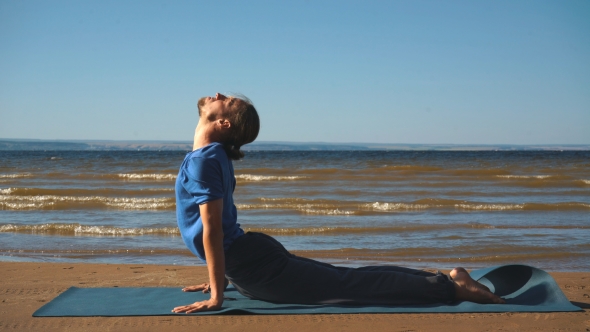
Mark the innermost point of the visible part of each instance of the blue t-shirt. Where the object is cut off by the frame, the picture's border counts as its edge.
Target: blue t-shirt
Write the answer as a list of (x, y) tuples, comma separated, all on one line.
[(205, 175)]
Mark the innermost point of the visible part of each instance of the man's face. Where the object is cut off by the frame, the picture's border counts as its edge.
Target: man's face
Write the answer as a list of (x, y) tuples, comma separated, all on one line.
[(213, 108)]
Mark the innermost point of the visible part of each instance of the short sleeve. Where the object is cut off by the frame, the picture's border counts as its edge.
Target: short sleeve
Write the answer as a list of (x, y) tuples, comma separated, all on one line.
[(202, 178)]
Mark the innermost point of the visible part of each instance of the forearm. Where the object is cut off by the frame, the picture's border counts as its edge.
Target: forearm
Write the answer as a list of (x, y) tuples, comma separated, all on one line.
[(211, 215), (213, 243)]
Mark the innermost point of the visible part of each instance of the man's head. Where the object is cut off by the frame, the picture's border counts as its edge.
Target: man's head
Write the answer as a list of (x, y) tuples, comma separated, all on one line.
[(235, 119)]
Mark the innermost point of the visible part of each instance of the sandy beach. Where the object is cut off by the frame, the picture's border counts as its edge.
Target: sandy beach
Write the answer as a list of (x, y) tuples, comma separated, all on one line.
[(27, 286)]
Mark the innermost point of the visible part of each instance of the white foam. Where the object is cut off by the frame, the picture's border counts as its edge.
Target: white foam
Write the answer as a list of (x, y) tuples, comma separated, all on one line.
[(524, 176), (250, 177), (41, 201), (78, 229), (405, 206), (14, 176), (280, 199), (115, 231), (141, 205), (327, 212), (6, 191), (586, 181), (271, 206), (134, 176), (490, 207), (7, 228), (25, 206), (397, 206)]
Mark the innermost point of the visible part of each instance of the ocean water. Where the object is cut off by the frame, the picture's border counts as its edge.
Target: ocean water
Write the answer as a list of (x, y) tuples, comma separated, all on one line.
[(422, 209)]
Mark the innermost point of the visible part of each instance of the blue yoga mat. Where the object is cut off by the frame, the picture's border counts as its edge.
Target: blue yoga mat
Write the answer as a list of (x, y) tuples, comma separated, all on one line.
[(525, 289)]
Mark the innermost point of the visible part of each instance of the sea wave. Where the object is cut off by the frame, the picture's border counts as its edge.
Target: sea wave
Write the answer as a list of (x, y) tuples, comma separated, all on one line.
[(474, 206), (490, 207), (335, 207), (94, 176), (77, 229), (139, 176), (540, 177), (84, 192), (328, 212), (10, 201), (299, 200), (416, 176), (54, 202), (7, 191), (15, 176), (250, 177), (330, 231), (397, 206), (317, 209)]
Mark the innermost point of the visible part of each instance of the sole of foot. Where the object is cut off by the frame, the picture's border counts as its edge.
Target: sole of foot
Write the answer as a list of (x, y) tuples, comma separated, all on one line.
[(468, 289)]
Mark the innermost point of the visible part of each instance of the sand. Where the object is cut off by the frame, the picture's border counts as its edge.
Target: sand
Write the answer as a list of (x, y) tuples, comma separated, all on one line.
[(27, 286)]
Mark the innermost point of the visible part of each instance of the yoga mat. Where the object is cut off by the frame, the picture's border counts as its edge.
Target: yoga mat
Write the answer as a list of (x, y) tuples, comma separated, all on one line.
[(525, 289)]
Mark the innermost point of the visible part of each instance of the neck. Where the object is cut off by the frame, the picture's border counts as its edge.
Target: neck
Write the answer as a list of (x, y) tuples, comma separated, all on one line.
[(201, 139)]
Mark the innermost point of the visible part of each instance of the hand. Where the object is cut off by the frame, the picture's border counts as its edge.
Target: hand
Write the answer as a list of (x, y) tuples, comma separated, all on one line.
[(202, 287), (205, 287), (207, 305)]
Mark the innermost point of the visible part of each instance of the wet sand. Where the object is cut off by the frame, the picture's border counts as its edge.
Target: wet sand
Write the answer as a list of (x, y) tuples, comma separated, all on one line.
[(27, 286)]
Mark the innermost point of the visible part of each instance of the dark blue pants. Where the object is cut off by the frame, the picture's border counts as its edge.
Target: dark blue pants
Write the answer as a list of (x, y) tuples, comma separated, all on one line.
[(260, 268)]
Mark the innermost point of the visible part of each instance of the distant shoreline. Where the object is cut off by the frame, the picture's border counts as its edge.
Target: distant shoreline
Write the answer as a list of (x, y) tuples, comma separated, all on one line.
[(147, 145)]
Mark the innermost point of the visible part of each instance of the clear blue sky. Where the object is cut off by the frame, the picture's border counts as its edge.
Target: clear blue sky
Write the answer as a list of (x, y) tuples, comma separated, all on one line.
[(463, 72)]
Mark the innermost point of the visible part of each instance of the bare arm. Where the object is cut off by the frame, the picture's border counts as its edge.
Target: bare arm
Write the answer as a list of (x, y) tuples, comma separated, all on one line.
[(211, 213)]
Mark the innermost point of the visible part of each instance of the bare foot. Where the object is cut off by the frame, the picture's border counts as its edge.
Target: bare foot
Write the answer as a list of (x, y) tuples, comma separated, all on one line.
[(470, 290), (460, 269)]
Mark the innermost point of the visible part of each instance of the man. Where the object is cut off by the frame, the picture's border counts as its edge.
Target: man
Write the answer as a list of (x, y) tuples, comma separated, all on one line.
[(258, 265)]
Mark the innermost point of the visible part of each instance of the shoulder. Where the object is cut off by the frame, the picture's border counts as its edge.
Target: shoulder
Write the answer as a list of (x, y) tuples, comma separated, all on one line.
[(211, 151), (211, 158)]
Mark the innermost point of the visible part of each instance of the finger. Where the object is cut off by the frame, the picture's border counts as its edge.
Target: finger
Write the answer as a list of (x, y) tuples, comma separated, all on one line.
[(189, 308), (197, 309), (195, 288), (194, 308), (182, 308), (179, 309)]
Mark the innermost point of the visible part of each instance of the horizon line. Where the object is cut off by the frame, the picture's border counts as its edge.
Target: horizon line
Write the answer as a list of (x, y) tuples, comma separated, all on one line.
[(164, 141)]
